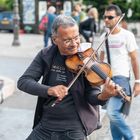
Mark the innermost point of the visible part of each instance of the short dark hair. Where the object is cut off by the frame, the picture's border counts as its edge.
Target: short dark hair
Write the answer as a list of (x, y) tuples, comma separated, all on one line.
[(116, 8)]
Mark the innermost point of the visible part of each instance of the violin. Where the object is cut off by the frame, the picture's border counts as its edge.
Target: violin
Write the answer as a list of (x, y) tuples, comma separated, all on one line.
[(95, 71)]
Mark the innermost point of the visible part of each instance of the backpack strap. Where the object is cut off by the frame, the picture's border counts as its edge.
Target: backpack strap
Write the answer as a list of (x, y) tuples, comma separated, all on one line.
[(107, 50)]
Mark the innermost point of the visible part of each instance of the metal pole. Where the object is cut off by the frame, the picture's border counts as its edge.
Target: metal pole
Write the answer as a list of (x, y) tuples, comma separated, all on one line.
[(16, 24)]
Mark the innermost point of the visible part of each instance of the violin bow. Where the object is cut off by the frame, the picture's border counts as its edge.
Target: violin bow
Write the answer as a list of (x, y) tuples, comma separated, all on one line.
[(85, 64)]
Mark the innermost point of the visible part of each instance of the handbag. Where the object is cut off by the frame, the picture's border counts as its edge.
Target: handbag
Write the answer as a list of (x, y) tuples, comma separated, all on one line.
[(126, 108), (43, 23)]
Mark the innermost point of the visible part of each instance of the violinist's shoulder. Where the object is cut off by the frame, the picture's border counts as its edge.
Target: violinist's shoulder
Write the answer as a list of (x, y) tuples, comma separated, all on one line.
[(49, 50), (84, 46)]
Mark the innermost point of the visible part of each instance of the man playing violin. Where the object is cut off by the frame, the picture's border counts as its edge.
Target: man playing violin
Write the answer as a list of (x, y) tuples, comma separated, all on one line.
[(74, 116), (123, 48)]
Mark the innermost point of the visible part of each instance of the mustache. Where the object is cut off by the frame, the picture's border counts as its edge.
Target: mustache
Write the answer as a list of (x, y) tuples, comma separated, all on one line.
[(72, 47)]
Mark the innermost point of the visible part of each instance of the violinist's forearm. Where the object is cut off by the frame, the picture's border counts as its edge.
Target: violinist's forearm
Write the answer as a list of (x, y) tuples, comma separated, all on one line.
[(93, 99), (104, 96), (92, 92)]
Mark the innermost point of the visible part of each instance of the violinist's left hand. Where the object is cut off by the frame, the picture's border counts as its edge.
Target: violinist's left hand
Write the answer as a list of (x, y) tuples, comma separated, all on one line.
[(110, 89)]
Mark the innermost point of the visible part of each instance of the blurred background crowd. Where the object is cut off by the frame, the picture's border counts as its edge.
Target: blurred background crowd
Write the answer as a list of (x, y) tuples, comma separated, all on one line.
[(27, 14)]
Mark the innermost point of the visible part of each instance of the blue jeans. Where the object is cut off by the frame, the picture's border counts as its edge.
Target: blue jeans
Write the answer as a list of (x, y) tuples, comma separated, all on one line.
[(47, 36), (118, 126), (41, 133)]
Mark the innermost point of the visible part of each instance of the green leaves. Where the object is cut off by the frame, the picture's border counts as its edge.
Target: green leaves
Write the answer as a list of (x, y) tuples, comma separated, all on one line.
[(135, 6), (125, 6), (6, 4)]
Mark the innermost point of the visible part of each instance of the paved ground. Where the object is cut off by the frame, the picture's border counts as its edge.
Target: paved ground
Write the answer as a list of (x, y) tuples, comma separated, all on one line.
[(133, 120), (16, 112)]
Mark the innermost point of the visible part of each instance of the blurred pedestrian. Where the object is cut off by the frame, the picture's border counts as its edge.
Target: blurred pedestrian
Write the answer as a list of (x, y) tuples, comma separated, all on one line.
[(75, 16), (80, 11), (124, 24), (120, 48), (89, 27), (74, 116), (50, 15)]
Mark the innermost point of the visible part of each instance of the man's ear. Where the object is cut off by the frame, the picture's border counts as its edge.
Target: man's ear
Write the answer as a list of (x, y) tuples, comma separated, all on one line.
[(54, 40)]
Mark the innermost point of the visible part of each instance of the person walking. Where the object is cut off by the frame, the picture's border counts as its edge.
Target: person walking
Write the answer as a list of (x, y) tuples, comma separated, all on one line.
[(89, 27), (74, 116), (81, 13), (122, 48), (50, 16)]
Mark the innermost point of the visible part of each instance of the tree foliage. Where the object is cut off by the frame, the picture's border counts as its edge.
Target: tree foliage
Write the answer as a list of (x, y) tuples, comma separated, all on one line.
[(123, 4), (99, 4), (6, 4), (135, 6)]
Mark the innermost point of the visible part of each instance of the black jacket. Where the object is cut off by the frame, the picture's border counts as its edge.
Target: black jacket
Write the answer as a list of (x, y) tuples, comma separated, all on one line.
[(85, 103), (87, 28)]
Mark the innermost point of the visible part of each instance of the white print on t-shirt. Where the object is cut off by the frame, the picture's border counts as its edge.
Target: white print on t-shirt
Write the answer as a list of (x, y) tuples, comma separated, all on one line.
[(120, 45)]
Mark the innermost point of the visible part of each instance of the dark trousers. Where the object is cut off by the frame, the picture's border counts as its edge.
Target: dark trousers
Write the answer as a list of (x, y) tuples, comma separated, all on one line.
[(39, 133)]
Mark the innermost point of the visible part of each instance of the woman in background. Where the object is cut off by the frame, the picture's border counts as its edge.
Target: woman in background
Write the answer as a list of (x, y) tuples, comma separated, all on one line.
[(89, 26)]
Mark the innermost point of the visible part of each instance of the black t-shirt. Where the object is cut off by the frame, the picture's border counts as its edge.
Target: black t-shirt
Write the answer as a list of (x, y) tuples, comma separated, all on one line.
[(63, 116)]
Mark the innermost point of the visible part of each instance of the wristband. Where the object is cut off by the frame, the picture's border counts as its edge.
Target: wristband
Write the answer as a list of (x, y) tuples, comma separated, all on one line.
[(137, 81)]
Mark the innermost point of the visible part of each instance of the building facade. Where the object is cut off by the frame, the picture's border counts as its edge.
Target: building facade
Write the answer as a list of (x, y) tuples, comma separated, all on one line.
[(31, 11)]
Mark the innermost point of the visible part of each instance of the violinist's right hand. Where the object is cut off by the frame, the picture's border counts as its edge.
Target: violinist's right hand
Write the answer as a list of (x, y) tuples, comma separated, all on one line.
[(59, 91), (110, 89)]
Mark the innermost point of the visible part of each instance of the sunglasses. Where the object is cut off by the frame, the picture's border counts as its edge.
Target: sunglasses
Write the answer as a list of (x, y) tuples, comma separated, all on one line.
[(108, 17)]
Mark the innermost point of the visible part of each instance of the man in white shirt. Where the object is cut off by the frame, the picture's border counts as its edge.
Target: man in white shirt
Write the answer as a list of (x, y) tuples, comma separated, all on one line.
[(123, 50)]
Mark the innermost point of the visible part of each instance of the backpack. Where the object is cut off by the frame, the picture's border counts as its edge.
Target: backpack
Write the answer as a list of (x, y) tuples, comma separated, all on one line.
[(43, 23)]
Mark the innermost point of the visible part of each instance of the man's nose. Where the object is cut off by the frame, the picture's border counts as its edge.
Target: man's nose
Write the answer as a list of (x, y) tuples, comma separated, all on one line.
[(73, 42)]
